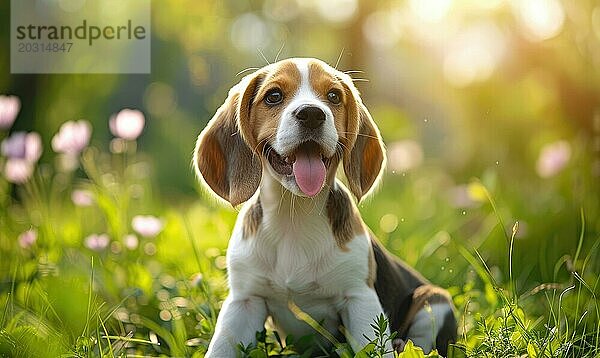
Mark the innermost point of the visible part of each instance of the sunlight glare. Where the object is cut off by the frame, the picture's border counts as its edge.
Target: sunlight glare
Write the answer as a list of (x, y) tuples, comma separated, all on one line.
[(540, 19), (596, 21), (337, 10), (383, 28), (250, 33), (430, 11), (474, 54)]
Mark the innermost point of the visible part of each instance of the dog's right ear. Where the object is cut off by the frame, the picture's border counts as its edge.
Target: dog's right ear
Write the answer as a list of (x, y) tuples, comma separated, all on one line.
[(222, 159)]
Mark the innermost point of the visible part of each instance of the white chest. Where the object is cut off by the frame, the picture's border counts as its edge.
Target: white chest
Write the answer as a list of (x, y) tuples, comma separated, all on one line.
[(297, 262)]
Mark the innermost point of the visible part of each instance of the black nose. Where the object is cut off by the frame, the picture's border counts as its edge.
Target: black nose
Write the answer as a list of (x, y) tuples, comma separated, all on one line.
[(310, 116)]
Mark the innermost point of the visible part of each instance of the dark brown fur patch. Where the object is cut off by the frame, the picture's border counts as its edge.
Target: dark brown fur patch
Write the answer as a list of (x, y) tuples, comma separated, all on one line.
[(343, 217), (252, 219), (402, 292), (372, 269)]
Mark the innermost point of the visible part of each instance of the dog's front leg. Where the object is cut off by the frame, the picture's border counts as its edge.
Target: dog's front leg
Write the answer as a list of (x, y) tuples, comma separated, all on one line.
[(361, 309), (238, 322)]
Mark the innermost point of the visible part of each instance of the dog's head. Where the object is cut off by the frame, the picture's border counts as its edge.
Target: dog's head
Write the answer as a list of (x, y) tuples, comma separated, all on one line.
[(295, 119)]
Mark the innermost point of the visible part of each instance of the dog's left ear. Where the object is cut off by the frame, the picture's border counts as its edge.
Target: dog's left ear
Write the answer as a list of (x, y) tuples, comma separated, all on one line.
[(223, 158), (364, 162)]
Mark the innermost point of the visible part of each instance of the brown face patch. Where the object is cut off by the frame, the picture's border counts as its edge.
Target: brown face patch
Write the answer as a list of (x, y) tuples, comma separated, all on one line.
[(264, 119), (324, 81), (359, 137)]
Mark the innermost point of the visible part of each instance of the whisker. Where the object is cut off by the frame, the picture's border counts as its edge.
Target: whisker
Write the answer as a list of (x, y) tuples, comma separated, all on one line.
[(268, 152), (247, 70), (342, 146), (292, 208), (339, 58), (328, 188), (360, 80), (259, 143), (353, 71), (279, 52), (361, 134), (262, 140), (280, 201), (263, 56)]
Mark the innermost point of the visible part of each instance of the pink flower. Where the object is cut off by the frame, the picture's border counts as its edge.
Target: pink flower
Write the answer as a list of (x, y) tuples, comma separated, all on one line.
[(22, 150), (147, 226), (72, 137), (21, 145), (9, 109), (404, 155), (127, 124), (553, 158), (18, 171), (82, 197), (97, 242), (131, 241), (27, 238), (459, 197)]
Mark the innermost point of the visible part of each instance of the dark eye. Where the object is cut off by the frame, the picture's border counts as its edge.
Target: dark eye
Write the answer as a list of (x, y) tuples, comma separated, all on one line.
[(334, 97), (274, 96)]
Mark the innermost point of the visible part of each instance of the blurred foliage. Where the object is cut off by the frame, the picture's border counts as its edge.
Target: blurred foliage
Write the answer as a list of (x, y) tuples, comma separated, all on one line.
[(467, 93)]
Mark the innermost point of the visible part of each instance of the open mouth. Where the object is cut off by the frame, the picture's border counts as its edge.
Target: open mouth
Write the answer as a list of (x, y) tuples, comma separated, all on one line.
[(306, 163)]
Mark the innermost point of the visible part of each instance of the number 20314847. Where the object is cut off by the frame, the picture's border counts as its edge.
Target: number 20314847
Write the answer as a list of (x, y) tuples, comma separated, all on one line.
[(44, 47)]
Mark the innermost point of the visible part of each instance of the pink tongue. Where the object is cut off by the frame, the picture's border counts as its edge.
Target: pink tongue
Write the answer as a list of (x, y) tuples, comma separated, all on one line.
[(309, 171)]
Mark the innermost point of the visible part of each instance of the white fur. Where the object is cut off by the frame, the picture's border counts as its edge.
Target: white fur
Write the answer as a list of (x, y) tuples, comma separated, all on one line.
[(289, 129), (427, 324), (294, 258)]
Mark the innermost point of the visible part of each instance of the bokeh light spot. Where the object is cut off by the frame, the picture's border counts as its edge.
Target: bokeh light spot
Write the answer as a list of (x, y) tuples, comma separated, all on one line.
[(383, 28), (160, 99), (430, 10), (474, 54), (165, 315), (596, 21), (281, 10), (71, 5), (404, 155), (540, 19), (249, 33), (337, 10), (388, 223)]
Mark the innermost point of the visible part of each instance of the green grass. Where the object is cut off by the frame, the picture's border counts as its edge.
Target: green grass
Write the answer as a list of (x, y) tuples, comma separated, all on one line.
[(523, 274)]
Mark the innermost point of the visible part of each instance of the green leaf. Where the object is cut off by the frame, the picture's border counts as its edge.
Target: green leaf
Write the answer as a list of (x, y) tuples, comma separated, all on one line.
[(532, 350), (257, 353), (455, 351), (411, 351), (289, 340), (364, 353)]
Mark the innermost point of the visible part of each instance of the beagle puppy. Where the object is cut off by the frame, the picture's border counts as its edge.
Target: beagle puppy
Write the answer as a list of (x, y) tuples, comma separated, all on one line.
[(275, 145)]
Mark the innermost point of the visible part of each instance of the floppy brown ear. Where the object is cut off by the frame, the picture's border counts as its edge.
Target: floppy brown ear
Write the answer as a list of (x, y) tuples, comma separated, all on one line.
[(364, 163), (222, 158)]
